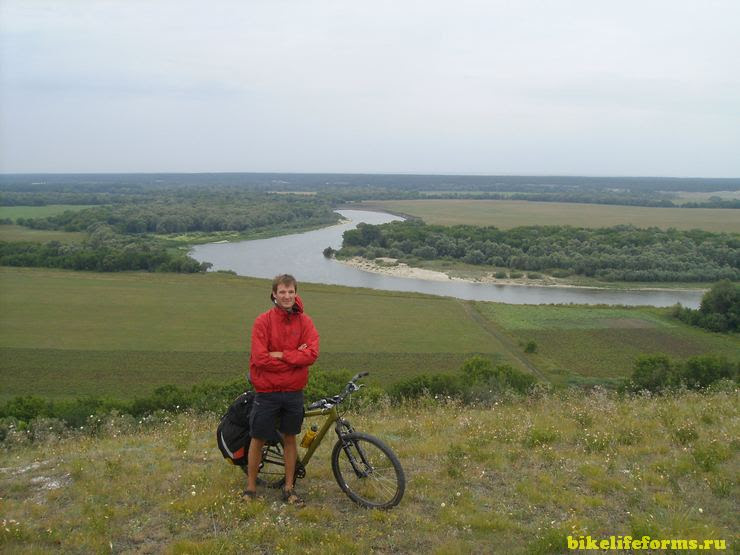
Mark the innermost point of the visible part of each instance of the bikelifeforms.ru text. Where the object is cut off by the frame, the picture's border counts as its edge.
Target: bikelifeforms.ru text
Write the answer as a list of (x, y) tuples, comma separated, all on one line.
[(645, 542)]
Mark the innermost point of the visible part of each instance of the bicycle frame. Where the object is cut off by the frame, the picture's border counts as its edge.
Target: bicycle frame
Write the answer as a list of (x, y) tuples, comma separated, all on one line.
[(333, 417)]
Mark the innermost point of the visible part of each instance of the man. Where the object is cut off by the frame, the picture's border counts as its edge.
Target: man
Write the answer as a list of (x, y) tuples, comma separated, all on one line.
[(284, 344)]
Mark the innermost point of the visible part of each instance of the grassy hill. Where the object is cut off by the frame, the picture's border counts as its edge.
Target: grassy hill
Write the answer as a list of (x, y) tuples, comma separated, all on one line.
[(516, 477), (65, 334)]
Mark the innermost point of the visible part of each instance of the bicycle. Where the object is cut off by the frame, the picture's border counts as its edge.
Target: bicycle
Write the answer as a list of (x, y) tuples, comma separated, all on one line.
[(366, 469)]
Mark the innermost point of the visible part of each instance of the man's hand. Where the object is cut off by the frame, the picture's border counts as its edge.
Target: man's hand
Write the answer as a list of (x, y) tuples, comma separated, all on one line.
[(279, 354)]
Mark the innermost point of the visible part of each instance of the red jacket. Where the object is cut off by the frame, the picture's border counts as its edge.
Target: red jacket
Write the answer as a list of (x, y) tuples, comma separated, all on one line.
[(278, 330)]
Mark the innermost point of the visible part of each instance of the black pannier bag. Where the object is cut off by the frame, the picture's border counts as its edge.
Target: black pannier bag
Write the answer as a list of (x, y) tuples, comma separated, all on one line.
[(232, 434)]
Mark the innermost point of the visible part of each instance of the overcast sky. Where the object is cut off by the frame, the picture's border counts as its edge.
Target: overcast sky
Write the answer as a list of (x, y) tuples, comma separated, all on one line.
[(430, 86)]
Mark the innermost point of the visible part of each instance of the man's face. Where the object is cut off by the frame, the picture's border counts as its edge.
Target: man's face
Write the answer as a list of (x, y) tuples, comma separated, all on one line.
[(285, 296)]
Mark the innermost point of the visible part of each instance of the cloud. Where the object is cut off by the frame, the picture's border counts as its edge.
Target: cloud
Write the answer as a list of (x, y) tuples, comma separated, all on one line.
[(467, 86)]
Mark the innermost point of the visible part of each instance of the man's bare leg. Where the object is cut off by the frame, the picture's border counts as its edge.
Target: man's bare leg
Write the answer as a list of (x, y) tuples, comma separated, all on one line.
[(254, 457), (290, 452)]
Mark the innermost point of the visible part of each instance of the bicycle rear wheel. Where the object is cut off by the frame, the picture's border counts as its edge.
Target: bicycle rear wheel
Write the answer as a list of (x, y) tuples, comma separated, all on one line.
[(272, 466), (368, 471)]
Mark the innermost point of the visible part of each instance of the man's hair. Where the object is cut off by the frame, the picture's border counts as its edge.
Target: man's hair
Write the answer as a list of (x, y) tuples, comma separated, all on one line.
[(284, 279)]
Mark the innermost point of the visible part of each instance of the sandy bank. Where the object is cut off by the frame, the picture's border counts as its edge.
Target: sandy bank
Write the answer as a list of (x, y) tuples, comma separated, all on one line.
[(390, 267)]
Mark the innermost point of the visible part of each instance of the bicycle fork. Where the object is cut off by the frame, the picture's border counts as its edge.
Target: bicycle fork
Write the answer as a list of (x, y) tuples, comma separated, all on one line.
[(362, 469)]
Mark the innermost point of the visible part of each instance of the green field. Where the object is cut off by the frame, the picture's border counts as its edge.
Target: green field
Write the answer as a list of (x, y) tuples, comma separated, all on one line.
[(64, 334), (14, 212), (123, 334), (578, 344), (20, 233), (507, 214), (686, 196)]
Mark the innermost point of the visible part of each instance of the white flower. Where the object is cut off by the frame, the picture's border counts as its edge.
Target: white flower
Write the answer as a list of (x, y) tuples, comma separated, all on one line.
[(442, 505)]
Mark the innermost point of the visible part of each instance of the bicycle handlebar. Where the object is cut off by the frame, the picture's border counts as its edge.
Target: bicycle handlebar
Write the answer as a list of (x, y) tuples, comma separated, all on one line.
[(351, 387)]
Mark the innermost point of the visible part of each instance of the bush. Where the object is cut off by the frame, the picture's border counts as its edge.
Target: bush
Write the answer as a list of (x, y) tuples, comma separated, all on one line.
[(719, 310), (657, 373), (479, 381)]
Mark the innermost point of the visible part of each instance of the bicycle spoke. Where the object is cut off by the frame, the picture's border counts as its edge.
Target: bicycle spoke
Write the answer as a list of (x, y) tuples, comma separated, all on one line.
[(367, 472)]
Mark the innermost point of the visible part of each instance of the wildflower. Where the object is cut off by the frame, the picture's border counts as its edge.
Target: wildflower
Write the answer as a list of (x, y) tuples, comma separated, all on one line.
[(442, 505)]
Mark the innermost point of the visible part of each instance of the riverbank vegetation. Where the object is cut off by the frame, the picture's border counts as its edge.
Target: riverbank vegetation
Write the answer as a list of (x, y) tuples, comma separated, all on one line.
[(147, 221), (621, 253), (135, 228), (524, 472), (719, 309)]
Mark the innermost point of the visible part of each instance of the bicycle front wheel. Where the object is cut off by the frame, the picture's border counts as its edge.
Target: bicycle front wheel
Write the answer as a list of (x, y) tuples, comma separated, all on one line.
[(368, 471)]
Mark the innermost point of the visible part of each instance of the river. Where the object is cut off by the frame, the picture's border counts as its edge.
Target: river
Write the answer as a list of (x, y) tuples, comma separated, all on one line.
[(301, 255)]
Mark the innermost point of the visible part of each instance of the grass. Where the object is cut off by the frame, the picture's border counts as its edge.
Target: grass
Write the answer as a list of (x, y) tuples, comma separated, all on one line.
[(517, 477), (15, 212), (123, 334), (20, 233), (507, 214), (577, 342)]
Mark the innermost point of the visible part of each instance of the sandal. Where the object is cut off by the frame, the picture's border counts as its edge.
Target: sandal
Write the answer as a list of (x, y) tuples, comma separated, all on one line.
[(292, 498), (249, 495)]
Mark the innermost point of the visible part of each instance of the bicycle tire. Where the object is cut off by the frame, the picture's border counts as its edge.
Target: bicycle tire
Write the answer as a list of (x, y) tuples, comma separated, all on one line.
[(374, 479)]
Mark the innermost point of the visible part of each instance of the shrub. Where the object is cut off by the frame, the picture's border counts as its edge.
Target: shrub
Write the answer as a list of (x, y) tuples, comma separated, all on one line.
[(657, 372), (479, 380), (719, 310), (653, 373)]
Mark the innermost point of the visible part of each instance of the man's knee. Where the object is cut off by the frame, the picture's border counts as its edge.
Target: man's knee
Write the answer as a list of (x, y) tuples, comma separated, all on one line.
[(256, 445), (289, 439)]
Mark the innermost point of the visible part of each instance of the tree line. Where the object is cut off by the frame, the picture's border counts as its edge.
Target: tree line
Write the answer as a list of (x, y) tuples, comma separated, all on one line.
[(34, 190), (207, 213), (619, 253), (127, 234), (103, 251)]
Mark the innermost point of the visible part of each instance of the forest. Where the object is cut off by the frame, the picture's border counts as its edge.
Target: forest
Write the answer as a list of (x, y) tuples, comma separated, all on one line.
[(29, 189), (134, 229), (620, 253)]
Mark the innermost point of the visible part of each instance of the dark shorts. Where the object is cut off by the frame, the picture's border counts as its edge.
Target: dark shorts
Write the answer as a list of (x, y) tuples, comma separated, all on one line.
[(283, 409)]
